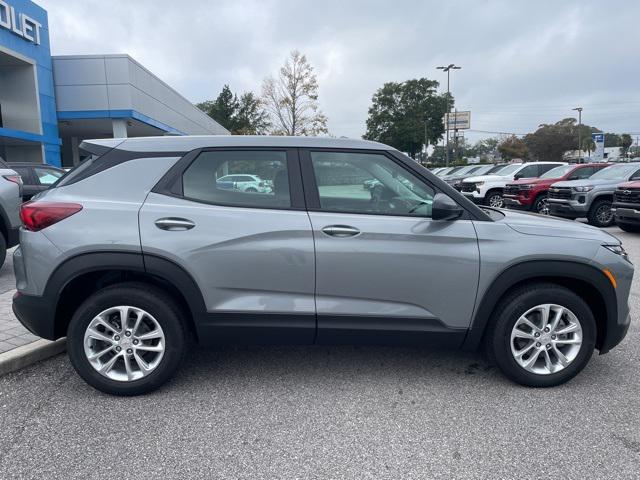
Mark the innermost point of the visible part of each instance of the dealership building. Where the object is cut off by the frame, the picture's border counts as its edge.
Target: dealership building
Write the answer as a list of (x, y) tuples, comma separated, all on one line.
[(49, 104)]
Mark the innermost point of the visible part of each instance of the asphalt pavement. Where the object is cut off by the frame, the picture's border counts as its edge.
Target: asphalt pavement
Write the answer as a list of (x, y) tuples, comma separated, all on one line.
[(339, 412)]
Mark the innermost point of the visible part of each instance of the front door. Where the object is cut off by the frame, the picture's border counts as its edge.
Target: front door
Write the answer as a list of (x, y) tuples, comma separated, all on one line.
[(385, 271)]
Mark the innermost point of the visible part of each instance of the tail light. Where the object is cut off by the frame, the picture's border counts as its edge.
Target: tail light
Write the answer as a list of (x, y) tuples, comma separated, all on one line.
[(14, 178), (38, 215)]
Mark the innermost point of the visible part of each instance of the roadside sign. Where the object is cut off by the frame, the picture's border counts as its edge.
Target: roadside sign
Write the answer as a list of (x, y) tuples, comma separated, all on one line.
[(458, 120), (598, 139)]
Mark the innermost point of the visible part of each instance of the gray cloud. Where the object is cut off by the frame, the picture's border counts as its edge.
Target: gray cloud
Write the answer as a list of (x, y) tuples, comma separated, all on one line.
[(524, 63)]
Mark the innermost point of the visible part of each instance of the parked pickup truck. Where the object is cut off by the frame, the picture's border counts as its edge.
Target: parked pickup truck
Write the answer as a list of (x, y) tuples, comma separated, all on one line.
[(591, 198), (531, 194), (626, 206)]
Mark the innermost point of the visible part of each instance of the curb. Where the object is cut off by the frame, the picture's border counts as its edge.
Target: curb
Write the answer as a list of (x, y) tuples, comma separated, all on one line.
[(26, 355)]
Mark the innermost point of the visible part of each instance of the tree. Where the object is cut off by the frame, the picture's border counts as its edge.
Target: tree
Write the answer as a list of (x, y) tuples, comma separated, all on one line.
[(292, 99), (513, 147), (251, 118), (550, 141), (611, 140), (243, 116), (625, 142), (483, 148), (406, 115)]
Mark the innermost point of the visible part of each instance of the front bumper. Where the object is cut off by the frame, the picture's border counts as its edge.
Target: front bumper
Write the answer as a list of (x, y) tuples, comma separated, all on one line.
[(36, 314), (567, 208), (626, 213), (517, 201)]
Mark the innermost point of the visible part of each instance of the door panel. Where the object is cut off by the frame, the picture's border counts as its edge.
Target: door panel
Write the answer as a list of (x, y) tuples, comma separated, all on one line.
[(385, 271), (254, 266)]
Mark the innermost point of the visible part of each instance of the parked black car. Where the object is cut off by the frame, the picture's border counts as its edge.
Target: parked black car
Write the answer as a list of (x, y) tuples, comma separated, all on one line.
[(36, 177)]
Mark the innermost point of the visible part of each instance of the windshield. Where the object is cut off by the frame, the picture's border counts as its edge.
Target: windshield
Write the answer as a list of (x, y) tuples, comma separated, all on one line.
[(495, 169), (615, 172), (465, 170), (558, 172), (509, 169)]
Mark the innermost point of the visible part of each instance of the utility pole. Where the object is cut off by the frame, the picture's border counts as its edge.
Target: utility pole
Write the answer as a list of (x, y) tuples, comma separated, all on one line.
[(579, 110), (447, 69)]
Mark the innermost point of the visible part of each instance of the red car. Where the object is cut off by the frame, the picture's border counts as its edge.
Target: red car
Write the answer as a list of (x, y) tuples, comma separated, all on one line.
[(531, 193)]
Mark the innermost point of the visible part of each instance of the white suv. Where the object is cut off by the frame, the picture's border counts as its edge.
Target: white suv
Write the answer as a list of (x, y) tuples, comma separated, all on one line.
[(244, 183), (487, 189)]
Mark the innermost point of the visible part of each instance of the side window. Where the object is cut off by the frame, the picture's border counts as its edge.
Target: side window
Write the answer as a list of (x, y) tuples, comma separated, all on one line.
[(582, 173), (528, 172), (24, 173), (635, 176), (545, 167), (47, 176), (217, 177), (369, 183)]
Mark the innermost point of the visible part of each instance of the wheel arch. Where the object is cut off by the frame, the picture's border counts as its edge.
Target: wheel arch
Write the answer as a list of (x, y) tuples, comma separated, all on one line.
[(80, 276), (587, 281)]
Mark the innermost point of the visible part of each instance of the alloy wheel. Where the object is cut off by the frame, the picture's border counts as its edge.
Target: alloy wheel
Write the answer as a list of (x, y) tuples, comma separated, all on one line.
[(543, 206), (604, 215), (496, 201), (124, 343), (546, 339)]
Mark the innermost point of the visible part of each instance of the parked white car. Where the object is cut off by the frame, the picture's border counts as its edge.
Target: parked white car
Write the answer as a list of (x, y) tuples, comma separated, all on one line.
[(488, 189), (245, 183)]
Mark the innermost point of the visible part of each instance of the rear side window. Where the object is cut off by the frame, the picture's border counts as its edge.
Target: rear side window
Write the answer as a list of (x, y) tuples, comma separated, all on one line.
[(239, 178), (47, 176)]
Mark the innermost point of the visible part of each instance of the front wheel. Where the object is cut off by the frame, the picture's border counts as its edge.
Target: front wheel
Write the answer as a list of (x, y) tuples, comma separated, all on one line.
[(600, 214), (541, 205), (126, 339), (542, 336), (494, 199)]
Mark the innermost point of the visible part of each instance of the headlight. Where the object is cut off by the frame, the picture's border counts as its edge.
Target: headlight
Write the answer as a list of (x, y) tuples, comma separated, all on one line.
[(479, 184), (582, 189), (618, 250), (525, 187)]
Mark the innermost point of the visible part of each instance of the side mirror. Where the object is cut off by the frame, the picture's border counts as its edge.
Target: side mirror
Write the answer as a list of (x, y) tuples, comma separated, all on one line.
[(444, 208)]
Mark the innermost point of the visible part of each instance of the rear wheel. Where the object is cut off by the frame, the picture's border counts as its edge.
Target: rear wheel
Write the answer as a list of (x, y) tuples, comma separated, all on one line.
[(543, 335), (127, 339), (629, 227), (600, 214), (494, 199)]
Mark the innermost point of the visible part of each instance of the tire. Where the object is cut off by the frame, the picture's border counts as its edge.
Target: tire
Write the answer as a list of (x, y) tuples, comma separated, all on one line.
[(500, 343), (540, 205), (596, 218), (159, 307), (3, 250), (494, 199), (629, 227), (251, 190)]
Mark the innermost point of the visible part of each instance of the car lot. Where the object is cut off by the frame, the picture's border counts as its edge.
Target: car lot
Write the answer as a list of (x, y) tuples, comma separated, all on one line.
[(339, 412)]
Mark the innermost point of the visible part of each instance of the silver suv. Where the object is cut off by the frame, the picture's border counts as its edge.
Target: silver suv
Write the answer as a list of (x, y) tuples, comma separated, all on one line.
[(140, 249), (592, 197), (10, 200)]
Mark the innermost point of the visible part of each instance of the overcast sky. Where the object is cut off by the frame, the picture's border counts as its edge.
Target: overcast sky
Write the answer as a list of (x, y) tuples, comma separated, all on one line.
[(523, 62)]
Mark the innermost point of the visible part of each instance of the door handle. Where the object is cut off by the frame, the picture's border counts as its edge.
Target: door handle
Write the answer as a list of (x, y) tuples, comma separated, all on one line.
[(173, 224), (341, 231)]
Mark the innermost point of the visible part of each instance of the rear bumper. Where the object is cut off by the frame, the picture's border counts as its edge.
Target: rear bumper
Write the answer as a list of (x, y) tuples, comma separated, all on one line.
[(36, 314)]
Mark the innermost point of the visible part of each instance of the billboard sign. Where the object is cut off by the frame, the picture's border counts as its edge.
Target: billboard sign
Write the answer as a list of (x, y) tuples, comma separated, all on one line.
[(457, 120), (598, 139)]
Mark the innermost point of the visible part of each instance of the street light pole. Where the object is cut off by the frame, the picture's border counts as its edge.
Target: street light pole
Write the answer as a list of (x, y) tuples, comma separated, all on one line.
[(449, 67), (579, 110)]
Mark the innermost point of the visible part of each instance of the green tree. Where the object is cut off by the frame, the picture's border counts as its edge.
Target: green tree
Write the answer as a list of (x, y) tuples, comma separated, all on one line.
[(513, 147), (625, 142), (611, 140), (551, 141), (483, 148), (403, 114), (292, 99), (222, 109), (241, 116)]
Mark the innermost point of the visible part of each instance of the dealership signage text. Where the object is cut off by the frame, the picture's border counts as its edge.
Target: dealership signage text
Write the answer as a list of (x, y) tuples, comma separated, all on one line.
[(19, 23)]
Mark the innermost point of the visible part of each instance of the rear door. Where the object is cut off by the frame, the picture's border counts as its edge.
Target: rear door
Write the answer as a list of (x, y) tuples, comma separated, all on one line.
[(250, 253), (385, 271)]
